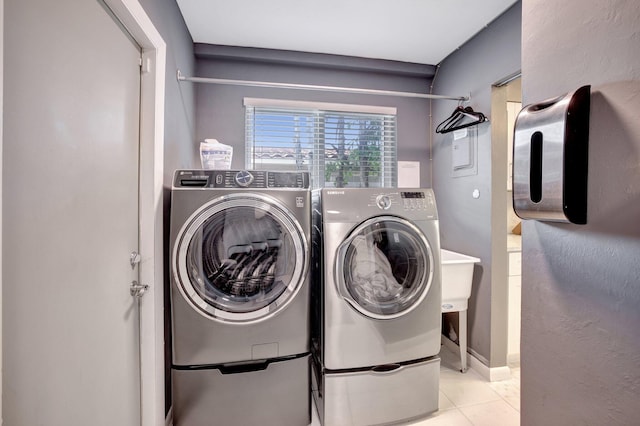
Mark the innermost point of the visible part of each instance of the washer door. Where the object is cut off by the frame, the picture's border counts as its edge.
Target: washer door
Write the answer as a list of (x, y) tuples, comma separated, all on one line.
[(384, 268), (240, 258)]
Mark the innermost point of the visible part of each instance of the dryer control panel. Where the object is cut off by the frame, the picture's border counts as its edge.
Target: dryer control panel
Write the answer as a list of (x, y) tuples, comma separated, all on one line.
[(405, 200), (240, 179), (348, 205), (417, 200)]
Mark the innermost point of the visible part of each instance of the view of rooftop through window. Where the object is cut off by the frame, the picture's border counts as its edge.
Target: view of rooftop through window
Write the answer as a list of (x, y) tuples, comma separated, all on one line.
[(338, 149)]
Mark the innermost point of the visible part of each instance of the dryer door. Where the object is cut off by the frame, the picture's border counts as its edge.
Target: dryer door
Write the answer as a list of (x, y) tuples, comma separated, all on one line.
[(240, 258), (384, 268)]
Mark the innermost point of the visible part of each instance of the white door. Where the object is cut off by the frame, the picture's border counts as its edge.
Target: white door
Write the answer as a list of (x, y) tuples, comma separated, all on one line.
[(70, 206)]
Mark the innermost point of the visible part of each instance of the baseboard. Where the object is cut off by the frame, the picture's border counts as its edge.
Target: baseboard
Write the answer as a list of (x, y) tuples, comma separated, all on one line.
[(475, 361), (513, 359), (492, 374), (168, 421)]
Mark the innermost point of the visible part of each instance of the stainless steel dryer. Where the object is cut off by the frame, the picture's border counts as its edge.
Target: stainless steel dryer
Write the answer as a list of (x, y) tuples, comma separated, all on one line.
[(240, 296), (377, 296)]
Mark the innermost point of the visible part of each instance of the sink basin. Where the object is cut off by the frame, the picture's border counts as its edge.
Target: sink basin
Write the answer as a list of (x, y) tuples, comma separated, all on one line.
[(457, 275)]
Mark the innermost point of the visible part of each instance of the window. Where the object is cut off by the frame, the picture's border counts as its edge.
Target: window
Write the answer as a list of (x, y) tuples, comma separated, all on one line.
[(340, 145)]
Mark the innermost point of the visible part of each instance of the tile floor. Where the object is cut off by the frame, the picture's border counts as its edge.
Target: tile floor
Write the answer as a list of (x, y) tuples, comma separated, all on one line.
[(469, 400)]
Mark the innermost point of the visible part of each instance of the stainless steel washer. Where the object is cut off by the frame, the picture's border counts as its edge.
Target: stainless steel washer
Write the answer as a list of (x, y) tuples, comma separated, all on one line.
[(239, 291)]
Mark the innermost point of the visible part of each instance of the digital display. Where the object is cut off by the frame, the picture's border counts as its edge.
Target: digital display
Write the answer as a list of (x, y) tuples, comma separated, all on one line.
[(284, 180), (412, 194)]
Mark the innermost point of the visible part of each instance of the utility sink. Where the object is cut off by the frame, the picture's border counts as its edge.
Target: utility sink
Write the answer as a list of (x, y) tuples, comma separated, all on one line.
[(457, 276)]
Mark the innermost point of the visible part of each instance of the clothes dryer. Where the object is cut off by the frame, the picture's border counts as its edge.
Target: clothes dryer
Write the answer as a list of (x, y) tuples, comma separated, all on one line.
[(377, 304), (239, 294)]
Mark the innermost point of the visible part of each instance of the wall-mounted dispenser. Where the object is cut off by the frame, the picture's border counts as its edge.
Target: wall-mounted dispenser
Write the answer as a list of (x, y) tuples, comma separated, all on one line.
[(550, 159)]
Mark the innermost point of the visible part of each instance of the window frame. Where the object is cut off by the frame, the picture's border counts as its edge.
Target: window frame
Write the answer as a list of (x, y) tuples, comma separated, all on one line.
[(319, 110)]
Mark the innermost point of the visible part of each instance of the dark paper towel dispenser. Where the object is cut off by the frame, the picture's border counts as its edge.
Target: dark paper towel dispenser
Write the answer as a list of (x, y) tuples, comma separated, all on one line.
[(550, 159)]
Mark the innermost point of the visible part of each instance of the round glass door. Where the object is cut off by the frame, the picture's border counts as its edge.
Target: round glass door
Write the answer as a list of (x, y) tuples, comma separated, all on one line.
[(385, 267), (240, 258)]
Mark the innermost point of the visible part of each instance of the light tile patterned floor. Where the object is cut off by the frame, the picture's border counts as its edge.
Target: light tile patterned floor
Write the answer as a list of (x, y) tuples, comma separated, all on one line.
[(469, 400)]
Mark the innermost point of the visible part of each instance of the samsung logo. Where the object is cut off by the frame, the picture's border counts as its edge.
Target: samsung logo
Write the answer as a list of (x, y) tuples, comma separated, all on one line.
[(335, 192)]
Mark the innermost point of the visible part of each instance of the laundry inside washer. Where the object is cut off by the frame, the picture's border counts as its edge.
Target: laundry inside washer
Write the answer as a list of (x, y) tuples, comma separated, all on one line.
[(242, 255)]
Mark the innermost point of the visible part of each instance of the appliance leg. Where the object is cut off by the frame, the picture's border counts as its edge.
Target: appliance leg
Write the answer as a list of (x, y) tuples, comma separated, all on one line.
[(462, 339)]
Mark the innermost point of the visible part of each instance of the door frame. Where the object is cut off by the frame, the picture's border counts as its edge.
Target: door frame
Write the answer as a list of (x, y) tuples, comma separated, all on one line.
[(152, 85), (1, 182), (133, 17)]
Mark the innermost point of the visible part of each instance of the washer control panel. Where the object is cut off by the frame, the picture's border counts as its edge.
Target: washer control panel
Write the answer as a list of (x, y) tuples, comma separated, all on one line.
[(240, 179)]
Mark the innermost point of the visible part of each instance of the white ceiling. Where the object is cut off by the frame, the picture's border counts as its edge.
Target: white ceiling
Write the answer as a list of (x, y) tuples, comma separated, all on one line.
[(420, 31)]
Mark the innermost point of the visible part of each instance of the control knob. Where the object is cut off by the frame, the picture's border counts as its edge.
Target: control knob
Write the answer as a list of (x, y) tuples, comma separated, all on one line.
[(243, 178), (383, 201)]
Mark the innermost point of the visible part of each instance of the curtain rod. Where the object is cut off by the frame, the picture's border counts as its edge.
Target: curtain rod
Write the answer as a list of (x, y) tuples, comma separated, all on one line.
[(317, 88)]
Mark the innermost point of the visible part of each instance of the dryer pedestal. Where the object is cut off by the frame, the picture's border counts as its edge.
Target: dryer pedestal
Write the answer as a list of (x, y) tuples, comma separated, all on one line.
[(378, 395), (276, 395)]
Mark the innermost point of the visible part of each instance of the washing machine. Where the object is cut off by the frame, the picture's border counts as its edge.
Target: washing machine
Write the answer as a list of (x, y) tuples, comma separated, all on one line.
[(240, 297), (377, 304)]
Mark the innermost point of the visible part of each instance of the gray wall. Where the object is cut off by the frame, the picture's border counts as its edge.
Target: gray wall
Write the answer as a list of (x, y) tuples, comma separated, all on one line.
[(580, 353), (220, 111), (179, 124), (179, 97), (466, 222)]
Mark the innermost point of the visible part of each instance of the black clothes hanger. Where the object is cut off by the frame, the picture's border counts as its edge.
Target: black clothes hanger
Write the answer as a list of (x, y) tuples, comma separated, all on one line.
[(460, 118)]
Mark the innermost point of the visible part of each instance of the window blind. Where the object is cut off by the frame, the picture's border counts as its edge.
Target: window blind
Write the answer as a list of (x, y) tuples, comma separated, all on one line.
[(338, 148)]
